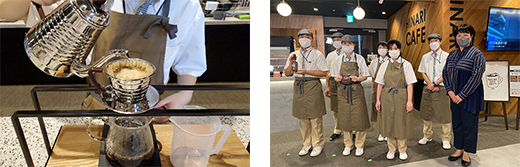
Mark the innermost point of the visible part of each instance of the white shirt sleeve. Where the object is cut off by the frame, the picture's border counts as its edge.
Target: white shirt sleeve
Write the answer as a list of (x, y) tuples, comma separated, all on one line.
[(363, 69), (409, 74), (372, 67), (423, 66), (380, 78), (186, 52)]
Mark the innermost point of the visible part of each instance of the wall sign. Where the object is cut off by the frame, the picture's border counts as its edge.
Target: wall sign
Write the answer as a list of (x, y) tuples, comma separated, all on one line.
[(496, 80), (416, 35), (514, 82)]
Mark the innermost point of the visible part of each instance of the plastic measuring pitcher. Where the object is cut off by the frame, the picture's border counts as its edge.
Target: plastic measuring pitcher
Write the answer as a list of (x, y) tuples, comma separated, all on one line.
[(193, 139)]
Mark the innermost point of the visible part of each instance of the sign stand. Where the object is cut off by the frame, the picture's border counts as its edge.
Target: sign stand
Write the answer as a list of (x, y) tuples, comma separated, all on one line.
[(487, 113)]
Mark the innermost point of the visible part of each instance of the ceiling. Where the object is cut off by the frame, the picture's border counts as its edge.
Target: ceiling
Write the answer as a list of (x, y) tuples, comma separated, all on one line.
[(373, 9)]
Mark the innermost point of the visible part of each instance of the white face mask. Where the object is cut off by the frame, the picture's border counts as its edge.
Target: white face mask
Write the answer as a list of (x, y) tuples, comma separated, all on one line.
[(394, 54), (305, 42), (347, 49), (434, 45), (382, 52), (336, 44)]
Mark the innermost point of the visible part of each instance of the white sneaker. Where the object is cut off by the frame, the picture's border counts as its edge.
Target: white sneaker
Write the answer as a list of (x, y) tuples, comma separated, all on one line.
[(316, 151), (380, 138), (386, 138), (403, 156), (446, 145), (423, 141), (305, 150), (390, 155), (347, 150), (359, 151)]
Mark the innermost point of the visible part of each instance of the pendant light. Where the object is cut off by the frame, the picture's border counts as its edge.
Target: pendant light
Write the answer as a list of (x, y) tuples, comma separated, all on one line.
[(284, 9), (359, 13)]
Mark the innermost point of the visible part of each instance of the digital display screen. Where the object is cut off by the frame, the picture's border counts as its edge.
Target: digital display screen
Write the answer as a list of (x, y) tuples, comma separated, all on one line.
[(503, 29)]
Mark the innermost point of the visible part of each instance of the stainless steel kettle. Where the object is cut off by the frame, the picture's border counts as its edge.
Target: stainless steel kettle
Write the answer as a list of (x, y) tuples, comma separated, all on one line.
[(60, 43)]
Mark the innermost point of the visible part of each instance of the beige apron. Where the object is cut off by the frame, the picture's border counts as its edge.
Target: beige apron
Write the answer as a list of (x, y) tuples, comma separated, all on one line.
[(352, 106), (144, 36), (308, 100), (435, 106), (393, 121), (374, 95), (333, 92)]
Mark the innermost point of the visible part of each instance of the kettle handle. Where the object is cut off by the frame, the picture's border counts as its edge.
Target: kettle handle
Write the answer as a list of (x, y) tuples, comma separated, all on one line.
[(88, 128), (93, 79), (223, 138)]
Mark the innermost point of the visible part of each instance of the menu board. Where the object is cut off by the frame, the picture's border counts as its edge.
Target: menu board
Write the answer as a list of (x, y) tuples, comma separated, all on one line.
[(514, 75)]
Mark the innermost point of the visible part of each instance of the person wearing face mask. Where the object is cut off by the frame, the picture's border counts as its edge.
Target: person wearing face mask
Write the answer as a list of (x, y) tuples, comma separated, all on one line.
[(435, 104), (352, 106), (463, 81), (382, 50), (394, 101), (331, 88), (308, 101)]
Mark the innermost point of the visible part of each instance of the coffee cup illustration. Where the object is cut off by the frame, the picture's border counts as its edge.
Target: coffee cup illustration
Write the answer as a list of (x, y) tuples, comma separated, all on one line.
[(493, 80)]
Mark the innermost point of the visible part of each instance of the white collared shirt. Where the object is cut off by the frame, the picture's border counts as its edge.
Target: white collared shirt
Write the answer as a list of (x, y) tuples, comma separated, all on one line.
[(336, 65), (407, 68), (314, 60), (427, 65), (331, 57), (373, 65), (185, 54)]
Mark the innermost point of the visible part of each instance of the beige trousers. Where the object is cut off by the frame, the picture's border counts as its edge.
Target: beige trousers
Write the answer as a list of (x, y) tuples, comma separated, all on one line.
[(428, 132), (312, 131), (394, 144), (335, 117), (360, 138)]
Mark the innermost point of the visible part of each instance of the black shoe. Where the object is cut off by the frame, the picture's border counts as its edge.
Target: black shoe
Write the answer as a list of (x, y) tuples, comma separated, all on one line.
[(465, 163), (334, 136), (452, 158)]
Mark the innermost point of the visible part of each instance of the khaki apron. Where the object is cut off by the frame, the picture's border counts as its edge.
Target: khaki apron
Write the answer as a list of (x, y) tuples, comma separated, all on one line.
[(308, 100), (393, 121), (374, 95), (144, 36), (352, 106), (333, 92), (435, 106)]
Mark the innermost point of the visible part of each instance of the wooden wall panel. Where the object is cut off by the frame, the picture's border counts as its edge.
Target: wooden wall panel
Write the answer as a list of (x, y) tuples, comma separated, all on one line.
[(294, 33), (438, 13), (300, 22)]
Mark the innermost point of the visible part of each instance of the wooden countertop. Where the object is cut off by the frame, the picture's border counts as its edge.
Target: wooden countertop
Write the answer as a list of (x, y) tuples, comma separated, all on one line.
[(74, 147)]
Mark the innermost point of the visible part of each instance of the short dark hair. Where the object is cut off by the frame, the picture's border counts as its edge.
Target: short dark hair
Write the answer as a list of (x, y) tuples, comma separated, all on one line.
[(382, 43), (464, 28), (394, 41)]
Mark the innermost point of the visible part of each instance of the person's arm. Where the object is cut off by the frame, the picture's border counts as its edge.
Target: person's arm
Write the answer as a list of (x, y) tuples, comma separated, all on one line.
[(479, 66), (363, 70), (178, 100), (317, 73), (288, 68), (378, 97), (439, 81), (12, 10), (409, 104), (327, 90), (430, 85), (446, 78)]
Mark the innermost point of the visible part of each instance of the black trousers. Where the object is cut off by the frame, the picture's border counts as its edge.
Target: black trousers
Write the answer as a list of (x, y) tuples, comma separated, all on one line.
[(465, 129)]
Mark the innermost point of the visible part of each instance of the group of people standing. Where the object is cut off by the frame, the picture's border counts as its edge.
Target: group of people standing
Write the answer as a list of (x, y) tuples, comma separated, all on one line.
[(454, 77)]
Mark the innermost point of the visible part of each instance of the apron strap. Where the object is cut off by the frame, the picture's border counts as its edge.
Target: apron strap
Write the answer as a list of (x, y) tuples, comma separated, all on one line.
[(170, 29), (393, 89), (166, 8), (349, 93)]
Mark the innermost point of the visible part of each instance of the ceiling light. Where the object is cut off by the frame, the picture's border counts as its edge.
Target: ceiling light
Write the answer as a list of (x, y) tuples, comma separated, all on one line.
[(359, 13), (333, 9), (284, 9), (381, 2), (383, 12), (316, 9)]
